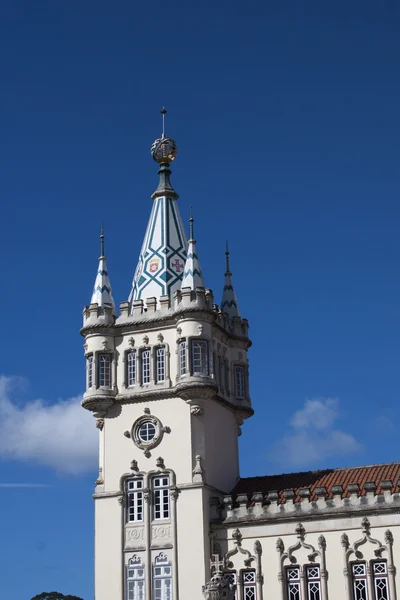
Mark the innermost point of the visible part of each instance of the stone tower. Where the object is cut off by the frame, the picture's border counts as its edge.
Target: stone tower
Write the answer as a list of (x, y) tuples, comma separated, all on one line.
[(167, 381)]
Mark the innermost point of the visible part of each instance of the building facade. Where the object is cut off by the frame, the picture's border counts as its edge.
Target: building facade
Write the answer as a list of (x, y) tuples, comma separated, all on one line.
[(167, 381)]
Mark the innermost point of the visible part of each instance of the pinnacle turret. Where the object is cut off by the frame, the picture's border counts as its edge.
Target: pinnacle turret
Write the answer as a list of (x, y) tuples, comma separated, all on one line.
[(229, 303), (102, 293), (192, 275)]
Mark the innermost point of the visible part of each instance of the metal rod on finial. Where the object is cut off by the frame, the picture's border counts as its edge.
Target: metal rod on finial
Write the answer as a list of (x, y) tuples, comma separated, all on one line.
[(163, 112), (191, 221), (227, 258), (102, 239)]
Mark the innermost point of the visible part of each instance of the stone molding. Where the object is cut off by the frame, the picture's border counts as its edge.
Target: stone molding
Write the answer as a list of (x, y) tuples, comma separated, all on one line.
[(290, 558)]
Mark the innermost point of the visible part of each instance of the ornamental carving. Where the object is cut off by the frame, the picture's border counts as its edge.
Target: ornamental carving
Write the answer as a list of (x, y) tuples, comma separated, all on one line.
[(161, 532), (196, 410), (100, 424), (134, 534)]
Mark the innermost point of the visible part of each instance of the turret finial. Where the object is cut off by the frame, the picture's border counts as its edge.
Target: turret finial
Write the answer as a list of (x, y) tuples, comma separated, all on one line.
[(102, 240), (164, 149), (228, 271), (163, 112), (191, 222)]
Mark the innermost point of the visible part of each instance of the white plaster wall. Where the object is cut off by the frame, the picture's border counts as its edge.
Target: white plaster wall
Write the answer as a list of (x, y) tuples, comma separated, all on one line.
[(108, 549), (175, 447)]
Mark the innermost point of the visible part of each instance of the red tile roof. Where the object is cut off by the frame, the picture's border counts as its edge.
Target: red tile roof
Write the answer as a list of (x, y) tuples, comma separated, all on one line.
[(314, 479)]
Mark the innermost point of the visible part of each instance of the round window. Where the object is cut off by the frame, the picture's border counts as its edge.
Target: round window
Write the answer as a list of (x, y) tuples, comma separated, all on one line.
[(147, 431)]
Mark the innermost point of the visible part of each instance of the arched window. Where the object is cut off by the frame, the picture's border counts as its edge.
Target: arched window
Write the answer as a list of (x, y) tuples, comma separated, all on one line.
[(162, 578), (135, 579)]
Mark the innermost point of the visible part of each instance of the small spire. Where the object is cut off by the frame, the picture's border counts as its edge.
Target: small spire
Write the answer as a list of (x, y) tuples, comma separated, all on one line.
[(192, 275), (163, 112), (102, 240), (229, 303), (102, 293), (191, 221), (227, 271)]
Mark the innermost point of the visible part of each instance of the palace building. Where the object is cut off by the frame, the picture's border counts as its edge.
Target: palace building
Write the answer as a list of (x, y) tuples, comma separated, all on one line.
[(167, 381)]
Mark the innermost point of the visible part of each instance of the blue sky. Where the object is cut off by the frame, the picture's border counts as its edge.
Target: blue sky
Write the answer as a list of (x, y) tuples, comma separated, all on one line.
[(287, 122)]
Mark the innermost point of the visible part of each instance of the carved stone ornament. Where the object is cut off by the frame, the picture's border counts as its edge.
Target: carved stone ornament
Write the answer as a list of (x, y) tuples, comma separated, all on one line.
[(120, 499), (145, 340), (134, 465), (179, 331), (200, 329), (198, 471), (127, 434), (100, 424), (196, 410), (237, 540), (100, 480), (146, 410), (104, 343), (219, 587), (131, 342), (160, 463), (160, 338)]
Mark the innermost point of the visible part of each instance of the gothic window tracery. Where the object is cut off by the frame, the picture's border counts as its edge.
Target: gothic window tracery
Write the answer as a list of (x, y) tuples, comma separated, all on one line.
[(240, 387)]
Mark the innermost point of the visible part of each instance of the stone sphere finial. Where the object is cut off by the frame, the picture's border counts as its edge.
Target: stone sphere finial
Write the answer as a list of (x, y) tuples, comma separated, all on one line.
[(164, 150)]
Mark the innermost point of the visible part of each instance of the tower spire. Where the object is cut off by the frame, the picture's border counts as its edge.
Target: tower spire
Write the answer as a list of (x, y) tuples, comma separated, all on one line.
[(102, 293), (192, 275), (229, 302), (162, 258)]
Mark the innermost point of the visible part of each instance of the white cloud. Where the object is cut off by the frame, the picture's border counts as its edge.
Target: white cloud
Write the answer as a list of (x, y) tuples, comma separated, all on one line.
[(61, 435), (313, 435)]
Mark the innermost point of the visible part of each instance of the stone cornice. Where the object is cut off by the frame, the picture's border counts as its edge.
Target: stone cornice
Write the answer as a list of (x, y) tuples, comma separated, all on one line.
[(272, 511)]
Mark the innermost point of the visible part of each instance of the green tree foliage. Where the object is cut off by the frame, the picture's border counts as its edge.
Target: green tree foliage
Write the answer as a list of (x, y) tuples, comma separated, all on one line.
[(54, 596)]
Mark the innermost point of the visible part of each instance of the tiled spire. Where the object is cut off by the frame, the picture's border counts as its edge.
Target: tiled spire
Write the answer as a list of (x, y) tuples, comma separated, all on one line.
[(161, 263), (102, 293), (192, 275), (229, 303)]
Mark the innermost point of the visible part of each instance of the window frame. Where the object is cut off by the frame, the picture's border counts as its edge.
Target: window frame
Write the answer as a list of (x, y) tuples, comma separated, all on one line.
[(294, 582), (90, 371), (377, 576), (238, 367), (355, 578), (137, 496), (128, 354), (182, 356), (161, 501), (135, 580), (205, 369), (99, 374), (312, 580), (147, 352), (162, 563), (163, 363)]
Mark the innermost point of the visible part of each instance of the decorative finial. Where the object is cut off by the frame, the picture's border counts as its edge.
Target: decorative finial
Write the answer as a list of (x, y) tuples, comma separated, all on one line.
[(102, 240), (228, 271), (164, 149), (191, 221), (163, 112)]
